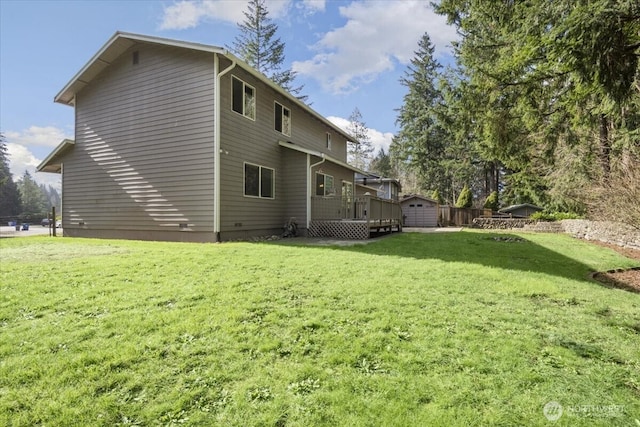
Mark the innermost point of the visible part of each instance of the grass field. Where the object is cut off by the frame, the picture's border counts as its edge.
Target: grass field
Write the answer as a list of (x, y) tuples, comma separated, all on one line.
[(414, 329)]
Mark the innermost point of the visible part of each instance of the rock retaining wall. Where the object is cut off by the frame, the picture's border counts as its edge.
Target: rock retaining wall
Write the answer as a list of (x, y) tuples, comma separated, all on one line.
[(604, 231), (501, 223)]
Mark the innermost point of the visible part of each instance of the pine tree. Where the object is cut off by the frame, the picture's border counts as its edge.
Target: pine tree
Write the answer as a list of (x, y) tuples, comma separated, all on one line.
[(259, 47), (550, 87), (381, 164), (9, 194), (52, 197), (420, 139), (359, 152), (34, 203), (431, 142)]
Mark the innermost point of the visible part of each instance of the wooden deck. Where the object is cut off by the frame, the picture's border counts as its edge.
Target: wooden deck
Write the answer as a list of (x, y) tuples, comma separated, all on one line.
[(353, 219)]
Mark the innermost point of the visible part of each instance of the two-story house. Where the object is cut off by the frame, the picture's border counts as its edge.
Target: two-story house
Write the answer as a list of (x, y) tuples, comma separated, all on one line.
[(385, 188), (183, 141)]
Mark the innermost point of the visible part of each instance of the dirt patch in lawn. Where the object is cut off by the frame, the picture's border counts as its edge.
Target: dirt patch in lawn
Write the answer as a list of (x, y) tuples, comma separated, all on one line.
[(628, 279)]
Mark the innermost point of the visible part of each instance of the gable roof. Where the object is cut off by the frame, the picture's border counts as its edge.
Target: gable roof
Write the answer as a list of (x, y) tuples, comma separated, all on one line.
[(415, 196), (374, 189), (373, 178), (52, 163), (121, 41), (523, 205)]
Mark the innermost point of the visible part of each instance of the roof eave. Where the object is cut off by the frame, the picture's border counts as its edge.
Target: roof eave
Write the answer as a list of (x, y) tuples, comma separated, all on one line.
[(111, 50), (121, 41), (48, 164), (415, 196), (328, 158)]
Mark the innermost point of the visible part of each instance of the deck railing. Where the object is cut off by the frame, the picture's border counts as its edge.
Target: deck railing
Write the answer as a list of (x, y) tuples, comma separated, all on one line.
[(369, 208), (353, 218)]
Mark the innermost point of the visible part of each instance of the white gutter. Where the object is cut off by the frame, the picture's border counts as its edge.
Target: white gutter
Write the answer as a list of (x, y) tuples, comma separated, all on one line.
[(310, 184), (216, 144)]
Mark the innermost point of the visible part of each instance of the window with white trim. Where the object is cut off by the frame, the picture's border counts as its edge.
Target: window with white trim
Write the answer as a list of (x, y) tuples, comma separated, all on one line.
[(243, 98), (259, 181), (324, 185), (282, 119)]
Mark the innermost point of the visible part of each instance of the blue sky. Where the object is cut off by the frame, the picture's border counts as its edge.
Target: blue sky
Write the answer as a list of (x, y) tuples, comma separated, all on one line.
[(348, 54)]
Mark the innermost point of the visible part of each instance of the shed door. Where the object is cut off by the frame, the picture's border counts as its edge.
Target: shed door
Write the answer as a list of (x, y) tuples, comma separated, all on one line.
[(420, 214)]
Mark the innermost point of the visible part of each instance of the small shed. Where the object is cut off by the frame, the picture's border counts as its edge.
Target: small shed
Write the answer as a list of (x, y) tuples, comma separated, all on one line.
[(419, 211), (524, 210)]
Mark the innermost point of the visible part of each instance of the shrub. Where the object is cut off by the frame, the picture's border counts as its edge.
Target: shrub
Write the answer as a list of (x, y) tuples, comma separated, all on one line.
[(437, 197), (492, 201), (465, 199), (615, 198), (554, 216)]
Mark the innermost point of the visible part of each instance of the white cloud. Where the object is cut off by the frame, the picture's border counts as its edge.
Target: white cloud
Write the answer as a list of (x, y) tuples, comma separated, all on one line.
[(182, 15), (190, 13), (312, 5), (20, 146), (378, 139), (41, 136), (21, 159), (376, 34)]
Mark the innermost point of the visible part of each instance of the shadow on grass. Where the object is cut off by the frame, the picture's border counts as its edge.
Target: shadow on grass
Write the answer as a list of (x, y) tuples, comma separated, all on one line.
[(505, 251)]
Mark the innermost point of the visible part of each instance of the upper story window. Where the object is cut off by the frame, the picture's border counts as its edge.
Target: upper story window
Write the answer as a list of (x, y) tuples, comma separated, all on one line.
[(328, 141), (324, 185), (243, 98), (259, 181), (282, 119)]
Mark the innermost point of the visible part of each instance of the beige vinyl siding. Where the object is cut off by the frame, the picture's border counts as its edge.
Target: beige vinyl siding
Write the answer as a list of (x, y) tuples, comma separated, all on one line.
[(294, 185), (338, 173), (246, 140), (256, 141), (144, 154)]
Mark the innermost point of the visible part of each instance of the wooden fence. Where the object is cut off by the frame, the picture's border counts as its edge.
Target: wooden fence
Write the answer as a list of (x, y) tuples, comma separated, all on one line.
[(448, 215)]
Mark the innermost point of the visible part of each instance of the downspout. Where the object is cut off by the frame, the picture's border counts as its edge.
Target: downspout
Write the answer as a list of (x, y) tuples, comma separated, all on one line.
[(310, 186), (216, 143), (55, 224)]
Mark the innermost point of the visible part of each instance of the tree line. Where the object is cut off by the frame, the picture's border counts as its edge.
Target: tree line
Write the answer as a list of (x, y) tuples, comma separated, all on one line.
[(25, 200), (542, 106)]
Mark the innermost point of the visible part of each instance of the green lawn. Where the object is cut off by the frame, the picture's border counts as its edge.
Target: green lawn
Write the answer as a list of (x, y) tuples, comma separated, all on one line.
[(413, 329)]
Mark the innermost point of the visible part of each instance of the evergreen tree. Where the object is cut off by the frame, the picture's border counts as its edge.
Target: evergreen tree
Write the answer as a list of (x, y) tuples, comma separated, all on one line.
[(359, 152), (465, 199), (462, 162), (421, 140), (437, 197), (259, 47), (492, 201), (550, 87), (52, 197), (381, 164), (436, 140), (34, 203), (9, 195)]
